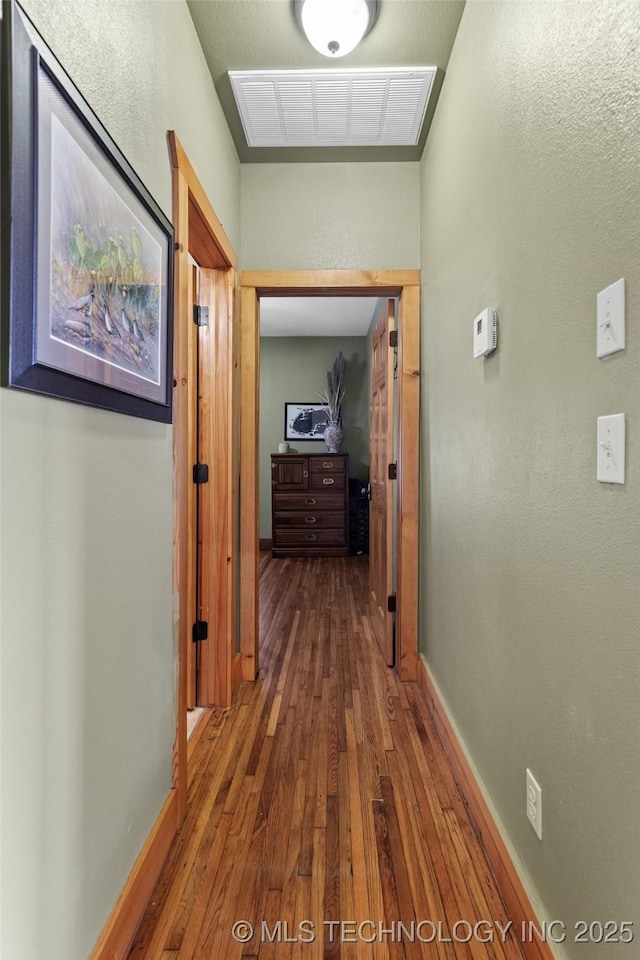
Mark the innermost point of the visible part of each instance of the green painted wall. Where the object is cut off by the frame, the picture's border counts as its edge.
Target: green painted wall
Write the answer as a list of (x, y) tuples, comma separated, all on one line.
[(86, 619), (330, 216), (529, 567), (294, 369)]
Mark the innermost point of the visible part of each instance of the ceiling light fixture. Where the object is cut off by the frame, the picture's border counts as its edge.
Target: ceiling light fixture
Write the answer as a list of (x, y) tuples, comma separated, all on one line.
[(335, 27)]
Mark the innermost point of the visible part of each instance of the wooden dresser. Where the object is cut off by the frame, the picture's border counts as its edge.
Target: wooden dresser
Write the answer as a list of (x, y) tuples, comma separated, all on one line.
[(310, 504)]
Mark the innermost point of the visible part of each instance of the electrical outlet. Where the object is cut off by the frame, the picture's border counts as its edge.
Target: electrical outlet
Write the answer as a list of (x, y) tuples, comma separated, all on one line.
[(534, 803)]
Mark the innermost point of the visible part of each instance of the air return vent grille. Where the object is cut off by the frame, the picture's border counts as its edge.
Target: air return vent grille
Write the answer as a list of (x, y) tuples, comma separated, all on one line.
[(332, 108)]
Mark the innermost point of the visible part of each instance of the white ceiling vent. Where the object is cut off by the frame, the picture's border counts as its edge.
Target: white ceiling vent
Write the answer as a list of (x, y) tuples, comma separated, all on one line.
[(332, 108)]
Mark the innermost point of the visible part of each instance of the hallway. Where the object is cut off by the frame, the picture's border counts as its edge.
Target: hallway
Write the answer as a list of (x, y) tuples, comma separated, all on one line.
[(323, 795)]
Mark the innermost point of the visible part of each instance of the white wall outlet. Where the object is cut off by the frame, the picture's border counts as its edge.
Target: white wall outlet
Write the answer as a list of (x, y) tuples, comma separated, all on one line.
[(534, 803), (611, 326), (611, 444)]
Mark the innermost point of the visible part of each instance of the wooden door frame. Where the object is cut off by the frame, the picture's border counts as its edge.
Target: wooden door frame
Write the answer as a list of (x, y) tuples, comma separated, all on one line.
[(404, 284), (199, 232)]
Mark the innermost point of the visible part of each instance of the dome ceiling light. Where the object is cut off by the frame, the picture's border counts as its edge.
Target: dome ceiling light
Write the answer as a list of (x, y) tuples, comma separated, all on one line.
[(335, 27)]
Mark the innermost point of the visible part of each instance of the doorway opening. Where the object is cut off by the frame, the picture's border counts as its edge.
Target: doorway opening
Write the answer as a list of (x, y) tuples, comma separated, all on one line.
[(403, 286), (206, 461), (314, 496)]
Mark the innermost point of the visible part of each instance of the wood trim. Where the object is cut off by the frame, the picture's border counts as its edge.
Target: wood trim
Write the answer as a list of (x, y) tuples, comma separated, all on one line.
[(406, 285), (183, 399), (236, 671), (515, 897), (180, 161), (117, 935), (408, 482), (266, 543), (337, 283), (249, 480), (192, 456)]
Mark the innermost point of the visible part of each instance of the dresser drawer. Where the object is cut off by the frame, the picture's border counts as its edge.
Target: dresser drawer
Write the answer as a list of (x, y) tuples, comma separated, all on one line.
[(319, 538), (318, 500), (328, 465), (319, 481), (311, 521)]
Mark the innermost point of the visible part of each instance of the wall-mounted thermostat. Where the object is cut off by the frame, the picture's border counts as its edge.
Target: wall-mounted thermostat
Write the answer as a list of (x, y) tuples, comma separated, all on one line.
[(485, 333)]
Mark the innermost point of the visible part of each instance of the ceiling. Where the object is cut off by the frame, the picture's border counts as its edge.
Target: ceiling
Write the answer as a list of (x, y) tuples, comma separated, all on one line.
[(262, 34), (316, 316)]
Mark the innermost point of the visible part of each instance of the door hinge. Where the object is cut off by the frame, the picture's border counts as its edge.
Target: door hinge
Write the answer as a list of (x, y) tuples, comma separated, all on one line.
[(201, 473), (200, 631), (393, 338), (393, 471), (391, 603), (200, 315)]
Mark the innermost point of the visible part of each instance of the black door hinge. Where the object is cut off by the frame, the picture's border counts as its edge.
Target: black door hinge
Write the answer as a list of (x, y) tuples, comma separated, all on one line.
[(200, 631), (200, 315), (391, 603), (393, 471), (201, 473), (393, 338)]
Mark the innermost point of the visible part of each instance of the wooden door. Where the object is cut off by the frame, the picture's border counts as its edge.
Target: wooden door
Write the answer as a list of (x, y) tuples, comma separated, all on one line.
[(217, 438), (381, 455), (193, 548)]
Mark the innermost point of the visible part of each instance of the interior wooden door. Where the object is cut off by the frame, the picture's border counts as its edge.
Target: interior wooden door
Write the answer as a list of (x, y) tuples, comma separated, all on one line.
[(381, 503), (193, 558), (217, 416)]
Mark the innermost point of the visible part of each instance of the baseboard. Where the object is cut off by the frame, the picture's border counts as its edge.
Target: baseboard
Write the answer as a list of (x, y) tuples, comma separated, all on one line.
[(118, 934), (515, 897), (266, 544)]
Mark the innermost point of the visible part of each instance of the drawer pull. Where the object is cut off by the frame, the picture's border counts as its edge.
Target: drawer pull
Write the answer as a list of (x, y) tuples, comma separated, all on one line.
[(310, 503), (327, 465), (310, 536), (328, 480), (310, 519)]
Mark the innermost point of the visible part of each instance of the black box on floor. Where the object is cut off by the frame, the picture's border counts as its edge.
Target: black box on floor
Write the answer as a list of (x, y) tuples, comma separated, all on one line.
[(358, 516)]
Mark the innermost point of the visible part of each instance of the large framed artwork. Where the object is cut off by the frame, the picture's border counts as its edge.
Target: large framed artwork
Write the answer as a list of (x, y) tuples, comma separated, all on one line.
[(305, 421), (86, 252)]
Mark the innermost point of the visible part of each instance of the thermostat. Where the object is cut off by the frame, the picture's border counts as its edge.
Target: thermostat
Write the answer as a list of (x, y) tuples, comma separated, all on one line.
[(485, 333)]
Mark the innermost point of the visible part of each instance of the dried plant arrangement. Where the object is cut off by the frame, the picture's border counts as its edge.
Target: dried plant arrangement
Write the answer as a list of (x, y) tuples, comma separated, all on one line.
[(332, 397)]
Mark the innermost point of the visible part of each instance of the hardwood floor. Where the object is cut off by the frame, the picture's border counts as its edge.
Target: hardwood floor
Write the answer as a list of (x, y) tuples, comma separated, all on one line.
[(321, 808)]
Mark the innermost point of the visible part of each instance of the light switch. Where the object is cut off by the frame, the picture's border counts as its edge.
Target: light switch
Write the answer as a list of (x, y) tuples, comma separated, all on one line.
[(611, 328), (611, 448)]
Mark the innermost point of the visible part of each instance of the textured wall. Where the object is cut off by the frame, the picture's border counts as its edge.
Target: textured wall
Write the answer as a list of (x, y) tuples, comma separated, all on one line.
[(88, 649), (531, 203), (330, 216), (293, 369)]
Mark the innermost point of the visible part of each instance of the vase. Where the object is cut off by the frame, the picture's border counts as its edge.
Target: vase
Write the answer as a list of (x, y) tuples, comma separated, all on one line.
[(333, 436)]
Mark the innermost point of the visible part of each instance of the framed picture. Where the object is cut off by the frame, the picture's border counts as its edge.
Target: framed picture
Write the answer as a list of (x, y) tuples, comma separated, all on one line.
[(305, 421), (86, 252)]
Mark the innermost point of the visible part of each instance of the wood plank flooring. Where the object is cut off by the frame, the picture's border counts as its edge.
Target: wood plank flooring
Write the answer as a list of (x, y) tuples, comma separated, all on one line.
[(322, 811)]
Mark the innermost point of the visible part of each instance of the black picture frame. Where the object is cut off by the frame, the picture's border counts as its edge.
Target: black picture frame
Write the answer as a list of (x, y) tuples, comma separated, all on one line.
[(86, 270), (299, 416)]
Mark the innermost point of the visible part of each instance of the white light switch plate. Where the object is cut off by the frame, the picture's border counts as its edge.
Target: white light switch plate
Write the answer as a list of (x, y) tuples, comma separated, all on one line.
[(611, 443), (611, 326)]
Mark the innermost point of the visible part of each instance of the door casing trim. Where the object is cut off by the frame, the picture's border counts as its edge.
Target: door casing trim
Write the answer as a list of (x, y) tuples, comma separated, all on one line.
[(404, 284)]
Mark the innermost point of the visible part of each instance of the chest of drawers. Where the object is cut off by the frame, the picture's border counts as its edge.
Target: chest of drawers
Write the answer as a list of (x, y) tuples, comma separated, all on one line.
[(309, 505)]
